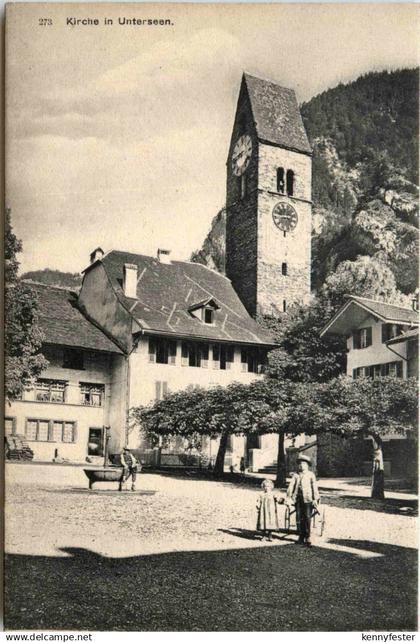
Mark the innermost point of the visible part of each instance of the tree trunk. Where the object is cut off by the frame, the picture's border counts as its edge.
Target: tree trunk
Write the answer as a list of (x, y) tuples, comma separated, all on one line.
[(378, 482), (219, 465), (281, 463)]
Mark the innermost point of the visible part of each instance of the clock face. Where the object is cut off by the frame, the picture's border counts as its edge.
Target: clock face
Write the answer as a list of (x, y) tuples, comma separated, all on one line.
[(285, 217), (241, 154)]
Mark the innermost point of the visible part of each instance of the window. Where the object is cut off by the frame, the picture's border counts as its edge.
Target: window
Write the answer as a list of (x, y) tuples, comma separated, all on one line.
[(244, 186), (91, 394), (10, 425), (37, 429), (290, 180), (251, 360), (280, 180), (50, 390), (362, 338), (391, 369), (391, 330), (284, 269), (162, 350), (73, 359), (195, 355), (208, 315), (227, 354), (48, 430), (161, 390)]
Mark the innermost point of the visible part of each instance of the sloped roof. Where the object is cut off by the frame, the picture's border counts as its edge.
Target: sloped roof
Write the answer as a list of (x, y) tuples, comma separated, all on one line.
[(166, 291), (387, 311), (356, 309), (63, 324), (276, 114), (406, 336)]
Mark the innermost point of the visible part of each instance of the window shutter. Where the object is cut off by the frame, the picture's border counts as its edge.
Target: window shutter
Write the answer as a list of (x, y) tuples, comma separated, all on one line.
[(368, 337), (356, 340), (172, 352), (157, 390), (384, 332), (399, 369), (152, 350), (216, 357), (185, 355), (165, 390), (74, 432)]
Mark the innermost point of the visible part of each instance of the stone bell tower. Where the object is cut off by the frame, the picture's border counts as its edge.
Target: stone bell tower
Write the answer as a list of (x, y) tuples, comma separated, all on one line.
[(268, 199)]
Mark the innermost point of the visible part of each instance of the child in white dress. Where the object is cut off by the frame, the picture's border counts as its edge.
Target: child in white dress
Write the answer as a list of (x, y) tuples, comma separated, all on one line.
[(267, 520)]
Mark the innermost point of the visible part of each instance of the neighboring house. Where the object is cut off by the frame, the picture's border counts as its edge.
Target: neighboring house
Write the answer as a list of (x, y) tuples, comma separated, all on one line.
[(382, 340), (65, 413), (372, 329)]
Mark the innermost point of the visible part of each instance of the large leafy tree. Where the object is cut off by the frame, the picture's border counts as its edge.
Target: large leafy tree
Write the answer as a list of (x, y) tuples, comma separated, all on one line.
[(23, 337), (215, 412), (367, 408), (302, 355), (261, 407)]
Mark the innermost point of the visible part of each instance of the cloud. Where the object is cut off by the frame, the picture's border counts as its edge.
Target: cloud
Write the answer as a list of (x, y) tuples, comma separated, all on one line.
[(172, 85)]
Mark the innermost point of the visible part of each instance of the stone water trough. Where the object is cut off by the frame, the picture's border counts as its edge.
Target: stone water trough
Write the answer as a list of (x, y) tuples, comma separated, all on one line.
[(108, 474)]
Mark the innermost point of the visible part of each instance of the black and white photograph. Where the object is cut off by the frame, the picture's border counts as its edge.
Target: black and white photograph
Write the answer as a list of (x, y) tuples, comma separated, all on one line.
[(211, 318)]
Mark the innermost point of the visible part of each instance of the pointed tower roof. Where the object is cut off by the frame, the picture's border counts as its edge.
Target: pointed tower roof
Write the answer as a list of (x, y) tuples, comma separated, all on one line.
[(276, 114)]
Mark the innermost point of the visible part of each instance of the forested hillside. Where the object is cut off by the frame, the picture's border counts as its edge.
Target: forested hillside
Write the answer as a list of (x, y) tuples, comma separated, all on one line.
[(365, 174), (54, 277)]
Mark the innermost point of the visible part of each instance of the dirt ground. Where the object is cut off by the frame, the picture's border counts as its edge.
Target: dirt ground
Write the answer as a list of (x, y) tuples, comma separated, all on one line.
[(180, 553)]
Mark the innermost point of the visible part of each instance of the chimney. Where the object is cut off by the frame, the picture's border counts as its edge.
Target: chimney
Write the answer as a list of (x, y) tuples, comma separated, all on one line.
[(130, 280), (163, 256), (96, 255)]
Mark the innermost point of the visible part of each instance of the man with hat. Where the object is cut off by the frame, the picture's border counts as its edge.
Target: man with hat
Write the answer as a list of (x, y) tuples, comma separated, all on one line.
[(130, 467), (303, 492)]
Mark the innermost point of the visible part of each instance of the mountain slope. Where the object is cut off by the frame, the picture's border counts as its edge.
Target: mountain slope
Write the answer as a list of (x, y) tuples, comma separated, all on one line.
[(365, 173)]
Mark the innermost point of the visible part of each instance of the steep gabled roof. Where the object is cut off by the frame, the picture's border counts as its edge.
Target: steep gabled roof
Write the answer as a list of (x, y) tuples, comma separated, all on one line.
[(276, 114), (63, 324), (357, 308), (166, 291)]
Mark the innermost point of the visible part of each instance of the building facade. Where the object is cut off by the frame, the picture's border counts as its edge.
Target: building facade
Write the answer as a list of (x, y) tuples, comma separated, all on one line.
[(142, 327)]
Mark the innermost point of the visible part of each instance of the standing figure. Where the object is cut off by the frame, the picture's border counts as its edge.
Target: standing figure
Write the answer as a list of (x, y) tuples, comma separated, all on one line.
[(267, 520), (303, 492), (130, 467), (242, 465)]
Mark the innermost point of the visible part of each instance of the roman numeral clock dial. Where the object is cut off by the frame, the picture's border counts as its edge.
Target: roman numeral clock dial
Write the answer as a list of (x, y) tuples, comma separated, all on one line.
[(241, 154), (285, 217)]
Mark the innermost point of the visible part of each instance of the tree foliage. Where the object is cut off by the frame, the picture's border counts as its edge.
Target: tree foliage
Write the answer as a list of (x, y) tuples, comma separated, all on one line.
[(23, 337)]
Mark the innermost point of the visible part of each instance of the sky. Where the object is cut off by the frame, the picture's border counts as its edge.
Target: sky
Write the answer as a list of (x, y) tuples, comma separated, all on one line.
[(117, 135)]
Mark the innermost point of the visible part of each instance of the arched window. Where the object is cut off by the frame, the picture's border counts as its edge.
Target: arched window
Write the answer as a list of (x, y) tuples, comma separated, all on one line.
[(243, 186), (290, 179), (284, 269), (280, 180), (284, 305)]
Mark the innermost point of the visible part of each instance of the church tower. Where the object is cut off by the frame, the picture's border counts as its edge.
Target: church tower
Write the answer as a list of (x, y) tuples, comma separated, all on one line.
[(268, 200)]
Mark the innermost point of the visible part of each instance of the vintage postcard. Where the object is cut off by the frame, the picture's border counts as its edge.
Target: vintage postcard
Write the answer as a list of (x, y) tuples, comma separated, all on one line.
[(211, 356)]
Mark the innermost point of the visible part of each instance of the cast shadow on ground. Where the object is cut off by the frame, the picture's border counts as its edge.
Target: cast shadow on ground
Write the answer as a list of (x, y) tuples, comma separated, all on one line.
[(265, 588), (407, 507), (244, 533), (98, 491)]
